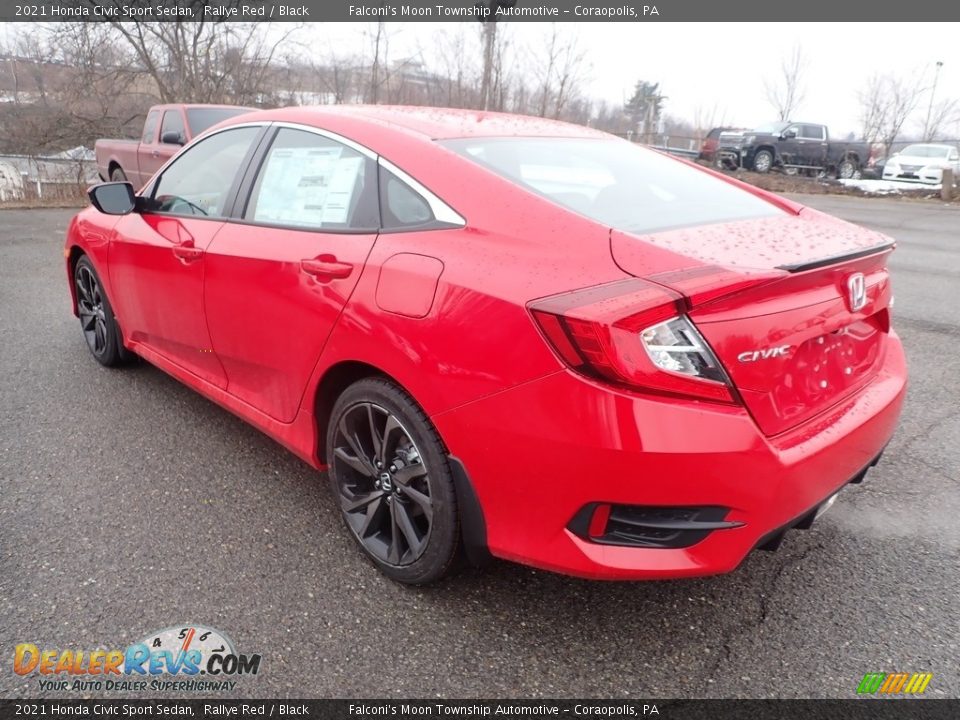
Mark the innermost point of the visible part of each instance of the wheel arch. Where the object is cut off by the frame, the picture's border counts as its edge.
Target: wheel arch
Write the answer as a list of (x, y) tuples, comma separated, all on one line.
[(335, 380), (73, 257), (339, 377)]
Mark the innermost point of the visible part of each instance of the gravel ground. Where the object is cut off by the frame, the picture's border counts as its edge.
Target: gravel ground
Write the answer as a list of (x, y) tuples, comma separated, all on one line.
[(128, 503)]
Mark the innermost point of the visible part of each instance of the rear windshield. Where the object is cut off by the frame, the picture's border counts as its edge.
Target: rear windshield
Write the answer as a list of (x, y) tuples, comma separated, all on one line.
[(614, 182), (200, 119)]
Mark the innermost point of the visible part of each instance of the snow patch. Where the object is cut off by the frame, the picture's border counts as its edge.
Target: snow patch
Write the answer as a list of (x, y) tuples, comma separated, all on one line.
[(886, 187)]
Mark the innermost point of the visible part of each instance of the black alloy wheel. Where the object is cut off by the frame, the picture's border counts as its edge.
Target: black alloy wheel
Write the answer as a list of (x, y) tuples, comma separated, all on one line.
[(97, 321), (392, 480)]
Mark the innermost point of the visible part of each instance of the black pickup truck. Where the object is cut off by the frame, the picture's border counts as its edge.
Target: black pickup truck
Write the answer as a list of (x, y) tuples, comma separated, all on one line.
[(793, 146)]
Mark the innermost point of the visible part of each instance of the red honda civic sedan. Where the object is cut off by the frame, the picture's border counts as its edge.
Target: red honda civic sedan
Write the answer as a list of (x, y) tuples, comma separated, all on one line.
[(506, 336)]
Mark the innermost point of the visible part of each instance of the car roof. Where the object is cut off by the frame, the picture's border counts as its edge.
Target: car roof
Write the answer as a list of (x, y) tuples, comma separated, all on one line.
[(429, 122)]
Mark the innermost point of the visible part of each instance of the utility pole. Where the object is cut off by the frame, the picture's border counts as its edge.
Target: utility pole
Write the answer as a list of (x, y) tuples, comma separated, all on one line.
[(933, 92)]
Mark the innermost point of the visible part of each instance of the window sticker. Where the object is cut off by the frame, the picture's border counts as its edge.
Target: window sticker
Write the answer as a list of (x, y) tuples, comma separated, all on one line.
[(307, 186)]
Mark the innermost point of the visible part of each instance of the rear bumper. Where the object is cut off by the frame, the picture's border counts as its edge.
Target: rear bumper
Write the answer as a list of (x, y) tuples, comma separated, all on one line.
[(538, 453)]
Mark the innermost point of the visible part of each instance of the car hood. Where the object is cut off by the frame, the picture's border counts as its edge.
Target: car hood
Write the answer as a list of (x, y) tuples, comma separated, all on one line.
[(917, 160), (787, 243)]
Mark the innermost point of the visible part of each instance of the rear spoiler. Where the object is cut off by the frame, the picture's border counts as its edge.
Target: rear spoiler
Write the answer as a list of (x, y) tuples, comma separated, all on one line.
[(834, 259)]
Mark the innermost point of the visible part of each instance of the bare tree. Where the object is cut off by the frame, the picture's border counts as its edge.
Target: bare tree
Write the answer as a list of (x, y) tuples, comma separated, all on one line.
[(873, 108), (787, 92), (69, 86), (942, 115), (204, 60), (886, 103), (379, 43), (450, 54), (707, 117), (902, 96), (559, 70)]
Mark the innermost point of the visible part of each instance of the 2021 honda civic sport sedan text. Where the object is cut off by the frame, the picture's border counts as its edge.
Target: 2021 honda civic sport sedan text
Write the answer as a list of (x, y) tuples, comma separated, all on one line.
[(506, 336)]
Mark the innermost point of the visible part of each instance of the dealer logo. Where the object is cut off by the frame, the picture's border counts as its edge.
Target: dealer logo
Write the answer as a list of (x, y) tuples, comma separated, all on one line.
[(183, 651)]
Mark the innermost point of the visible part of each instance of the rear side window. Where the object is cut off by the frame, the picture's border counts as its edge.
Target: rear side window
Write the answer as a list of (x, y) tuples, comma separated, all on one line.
[(402, 207), (173, 123), (200, 179), (615, 182), (150, 127), (201, 118), (310, 181)]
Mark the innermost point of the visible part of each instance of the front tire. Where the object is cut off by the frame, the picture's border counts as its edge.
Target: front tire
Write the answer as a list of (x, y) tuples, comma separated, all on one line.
[(390, 475), (847, 170), (97, 321), (763, 161)]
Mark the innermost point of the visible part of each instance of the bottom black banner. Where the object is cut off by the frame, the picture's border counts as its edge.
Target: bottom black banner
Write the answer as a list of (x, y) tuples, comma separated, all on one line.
[(863, 709)]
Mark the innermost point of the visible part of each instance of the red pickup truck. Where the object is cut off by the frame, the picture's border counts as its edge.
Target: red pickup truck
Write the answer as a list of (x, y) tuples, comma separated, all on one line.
[(166, 129)]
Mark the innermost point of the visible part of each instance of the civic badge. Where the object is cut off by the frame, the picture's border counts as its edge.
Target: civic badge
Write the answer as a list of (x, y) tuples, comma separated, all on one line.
[(856, 291)]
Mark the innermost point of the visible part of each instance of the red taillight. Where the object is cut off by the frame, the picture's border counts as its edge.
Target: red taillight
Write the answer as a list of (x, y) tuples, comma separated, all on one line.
[(597, 332)]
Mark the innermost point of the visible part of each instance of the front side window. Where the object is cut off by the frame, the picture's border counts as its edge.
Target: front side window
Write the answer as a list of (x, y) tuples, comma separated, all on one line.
[(172, 123), (812, 132), (615, 182), (199, 180), (310, 181)]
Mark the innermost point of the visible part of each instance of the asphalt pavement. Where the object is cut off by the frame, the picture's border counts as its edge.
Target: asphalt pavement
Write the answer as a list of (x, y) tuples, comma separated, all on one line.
[(128, 503)]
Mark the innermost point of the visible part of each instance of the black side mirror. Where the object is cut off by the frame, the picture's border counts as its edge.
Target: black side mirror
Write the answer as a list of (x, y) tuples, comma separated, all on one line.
[(113, 198), (171, 137), (789, 134)]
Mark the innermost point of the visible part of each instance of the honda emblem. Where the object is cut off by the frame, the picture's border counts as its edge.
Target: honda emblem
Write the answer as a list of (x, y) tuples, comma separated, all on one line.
[(856, 291)]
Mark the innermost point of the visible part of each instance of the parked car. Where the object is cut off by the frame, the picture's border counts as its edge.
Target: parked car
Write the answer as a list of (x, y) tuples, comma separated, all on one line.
[(923, 162), (711, 143), (166, 129), (795, 146), (512, 335)]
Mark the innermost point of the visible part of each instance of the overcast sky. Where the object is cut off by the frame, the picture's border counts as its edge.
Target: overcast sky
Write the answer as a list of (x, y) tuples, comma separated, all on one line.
[(724, 65), (706, 65)]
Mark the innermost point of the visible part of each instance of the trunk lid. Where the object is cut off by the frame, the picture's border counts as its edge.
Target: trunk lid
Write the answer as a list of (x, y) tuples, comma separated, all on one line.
[(774, 300)]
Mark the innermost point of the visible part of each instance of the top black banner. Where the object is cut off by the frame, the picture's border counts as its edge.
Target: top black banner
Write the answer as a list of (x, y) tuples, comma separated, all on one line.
[(726, 11)]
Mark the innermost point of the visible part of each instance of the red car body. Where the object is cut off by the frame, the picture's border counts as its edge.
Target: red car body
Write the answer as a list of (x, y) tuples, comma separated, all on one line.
[(483, 324)]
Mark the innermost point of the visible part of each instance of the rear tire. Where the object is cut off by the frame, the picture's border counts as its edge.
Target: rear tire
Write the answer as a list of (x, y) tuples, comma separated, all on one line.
[(390, 475), (117, 174), (97, 321)]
